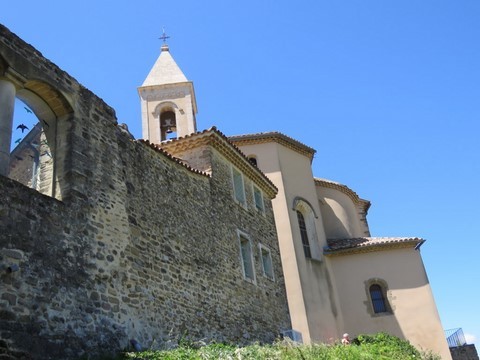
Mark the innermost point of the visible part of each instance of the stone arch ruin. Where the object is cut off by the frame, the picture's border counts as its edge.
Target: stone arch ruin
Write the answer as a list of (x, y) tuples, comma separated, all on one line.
[(37, 161)]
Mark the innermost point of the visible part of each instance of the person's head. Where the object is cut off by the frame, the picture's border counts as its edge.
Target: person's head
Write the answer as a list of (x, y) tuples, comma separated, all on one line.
[(345, 336)]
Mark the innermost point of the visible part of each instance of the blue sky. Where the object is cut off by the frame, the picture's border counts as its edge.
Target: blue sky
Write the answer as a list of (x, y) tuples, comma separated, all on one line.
[(388, 92)]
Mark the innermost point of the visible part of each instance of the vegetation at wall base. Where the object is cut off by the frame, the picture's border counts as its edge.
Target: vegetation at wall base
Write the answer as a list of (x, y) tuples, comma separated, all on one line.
[(365, 347)]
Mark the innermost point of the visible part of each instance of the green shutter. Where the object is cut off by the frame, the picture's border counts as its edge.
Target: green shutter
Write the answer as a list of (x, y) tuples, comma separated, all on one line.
[(238, 186), (246, 253), (258, 198)]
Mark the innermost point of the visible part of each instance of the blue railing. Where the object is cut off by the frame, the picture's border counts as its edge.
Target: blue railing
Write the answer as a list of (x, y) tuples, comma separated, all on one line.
[(455, 337)]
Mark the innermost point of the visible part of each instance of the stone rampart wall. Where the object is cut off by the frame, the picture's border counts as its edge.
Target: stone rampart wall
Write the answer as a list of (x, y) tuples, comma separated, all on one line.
[(137, 246)]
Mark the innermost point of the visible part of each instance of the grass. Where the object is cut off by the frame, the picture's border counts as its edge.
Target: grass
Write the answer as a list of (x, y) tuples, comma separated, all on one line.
[(365, 347)]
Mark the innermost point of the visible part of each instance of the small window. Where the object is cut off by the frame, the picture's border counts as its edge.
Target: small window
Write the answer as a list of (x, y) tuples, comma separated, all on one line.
[(258, 196), (247, 258), (238, 188), (267, 265), (253, 160), (378, 299), (304, 235)]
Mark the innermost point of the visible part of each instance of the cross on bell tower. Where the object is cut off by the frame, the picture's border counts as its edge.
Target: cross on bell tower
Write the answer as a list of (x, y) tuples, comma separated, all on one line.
[(164, 36)]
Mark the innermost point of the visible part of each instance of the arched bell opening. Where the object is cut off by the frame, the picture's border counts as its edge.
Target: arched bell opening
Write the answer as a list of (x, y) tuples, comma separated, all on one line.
[(168, 124)]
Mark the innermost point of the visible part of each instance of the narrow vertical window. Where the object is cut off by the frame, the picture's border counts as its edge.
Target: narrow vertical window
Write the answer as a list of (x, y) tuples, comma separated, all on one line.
[(378, 300), (247, 259), (267, 266), (238, 188), (257, 194), (304, 235)]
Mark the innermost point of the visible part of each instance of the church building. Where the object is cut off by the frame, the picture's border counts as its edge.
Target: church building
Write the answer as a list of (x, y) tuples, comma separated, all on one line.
[(186, 233), (338, 278)]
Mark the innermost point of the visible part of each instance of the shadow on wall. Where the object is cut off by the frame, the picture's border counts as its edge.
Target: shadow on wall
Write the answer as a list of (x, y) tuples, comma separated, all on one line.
[(334, 227)]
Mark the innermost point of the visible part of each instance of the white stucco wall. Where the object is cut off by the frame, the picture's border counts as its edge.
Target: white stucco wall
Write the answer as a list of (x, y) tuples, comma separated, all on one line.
[(414, 316), (329, 297), (340, 214), (310, 292)]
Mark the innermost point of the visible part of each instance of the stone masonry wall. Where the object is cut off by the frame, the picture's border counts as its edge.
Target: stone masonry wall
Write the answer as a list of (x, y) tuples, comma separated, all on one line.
[(465, 352), (139, 247)]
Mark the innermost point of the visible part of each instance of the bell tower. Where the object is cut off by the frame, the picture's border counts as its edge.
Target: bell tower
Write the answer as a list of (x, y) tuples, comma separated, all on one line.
[(167, 100)]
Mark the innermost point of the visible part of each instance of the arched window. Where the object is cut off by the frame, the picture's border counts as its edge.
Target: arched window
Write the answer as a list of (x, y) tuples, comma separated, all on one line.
[(307, 227), (304, 234), (378, 299), (252, 159)]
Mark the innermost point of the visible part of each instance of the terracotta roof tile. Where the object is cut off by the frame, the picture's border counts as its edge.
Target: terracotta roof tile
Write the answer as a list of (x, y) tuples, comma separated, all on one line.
[(343, 188), (170, 156), (243, 162), (367, 244), (275, 136)]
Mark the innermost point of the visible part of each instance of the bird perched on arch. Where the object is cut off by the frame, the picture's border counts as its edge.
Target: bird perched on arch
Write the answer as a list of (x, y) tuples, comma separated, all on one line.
[(23, 127)]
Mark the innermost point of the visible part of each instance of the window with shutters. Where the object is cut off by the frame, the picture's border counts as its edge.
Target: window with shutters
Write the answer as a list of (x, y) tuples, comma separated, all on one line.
[(258, 197), (246, 257), (267, 265), (238, 187)]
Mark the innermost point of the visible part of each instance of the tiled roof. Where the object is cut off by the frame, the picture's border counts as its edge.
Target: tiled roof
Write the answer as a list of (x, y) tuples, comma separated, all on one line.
[(343, 188), (278, 137), (170, 156), (228, 149), (368, 244)]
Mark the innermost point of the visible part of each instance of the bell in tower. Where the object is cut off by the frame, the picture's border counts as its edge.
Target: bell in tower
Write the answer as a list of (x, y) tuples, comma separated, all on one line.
[(167, 124)]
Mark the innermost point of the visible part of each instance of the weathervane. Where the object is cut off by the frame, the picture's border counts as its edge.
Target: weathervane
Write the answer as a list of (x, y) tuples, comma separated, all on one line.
[(164, 36)]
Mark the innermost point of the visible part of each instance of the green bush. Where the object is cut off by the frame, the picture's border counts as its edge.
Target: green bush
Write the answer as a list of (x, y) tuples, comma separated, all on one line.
[(365, 347), (382, 344)]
